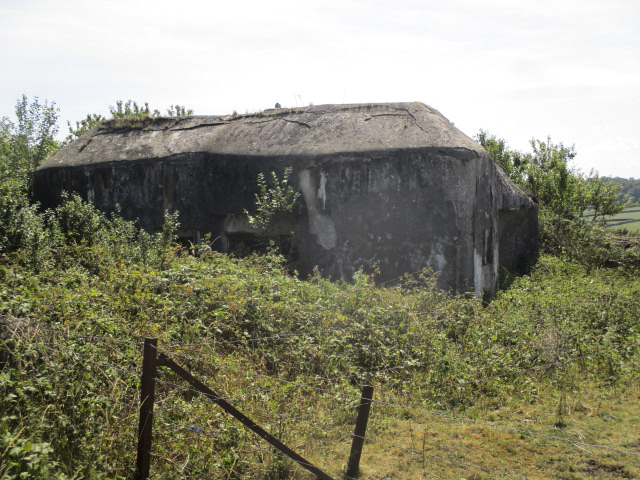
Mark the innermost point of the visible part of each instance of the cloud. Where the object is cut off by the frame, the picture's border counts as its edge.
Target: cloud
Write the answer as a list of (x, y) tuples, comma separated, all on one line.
[(519, 69)]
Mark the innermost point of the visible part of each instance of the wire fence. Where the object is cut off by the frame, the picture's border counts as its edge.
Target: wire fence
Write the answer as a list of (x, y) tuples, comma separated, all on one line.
[(323, 431), (269, 416)]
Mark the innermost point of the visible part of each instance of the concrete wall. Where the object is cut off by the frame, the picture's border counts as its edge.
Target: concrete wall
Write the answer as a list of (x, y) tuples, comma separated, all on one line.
[(517, 227), (414, 209)]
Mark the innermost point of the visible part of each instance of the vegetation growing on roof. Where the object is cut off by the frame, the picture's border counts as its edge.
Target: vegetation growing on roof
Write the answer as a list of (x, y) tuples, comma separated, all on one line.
[(127, 115)]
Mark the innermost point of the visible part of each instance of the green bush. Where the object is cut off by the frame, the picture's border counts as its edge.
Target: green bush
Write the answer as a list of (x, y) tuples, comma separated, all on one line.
[(272, 201), (589, 243)]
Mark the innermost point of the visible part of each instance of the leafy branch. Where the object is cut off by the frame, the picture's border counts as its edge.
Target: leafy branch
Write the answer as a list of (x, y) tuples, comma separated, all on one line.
[(272, 201)]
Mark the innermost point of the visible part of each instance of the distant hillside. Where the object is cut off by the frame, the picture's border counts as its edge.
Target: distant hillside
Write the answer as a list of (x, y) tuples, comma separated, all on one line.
[(630, 187)]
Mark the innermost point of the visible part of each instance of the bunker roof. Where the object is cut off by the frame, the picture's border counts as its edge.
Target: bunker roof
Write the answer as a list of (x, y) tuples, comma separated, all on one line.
[(309, 131)]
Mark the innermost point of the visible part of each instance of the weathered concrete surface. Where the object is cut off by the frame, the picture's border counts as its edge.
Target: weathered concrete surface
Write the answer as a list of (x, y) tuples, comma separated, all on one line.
[(517, 226), (395, 185)]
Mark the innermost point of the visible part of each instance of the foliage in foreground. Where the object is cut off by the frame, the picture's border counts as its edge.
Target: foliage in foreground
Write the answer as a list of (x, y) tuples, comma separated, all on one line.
[(70, 352)]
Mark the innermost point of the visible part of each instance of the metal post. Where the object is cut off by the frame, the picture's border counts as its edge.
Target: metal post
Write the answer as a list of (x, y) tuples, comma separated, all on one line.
[(361, 428), (147, 397)]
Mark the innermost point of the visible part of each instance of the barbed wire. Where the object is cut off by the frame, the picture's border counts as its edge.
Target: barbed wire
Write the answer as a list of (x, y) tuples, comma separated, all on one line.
[(456, 418), (307, 385), (300, 420), (279, 416), (66, 332), (257, 375), (409, 364), (182, 469), (349, 375), (272, 450), (377, 372), (361, 374), (112, 342), (403, 326), (242, 396), (133, 373)]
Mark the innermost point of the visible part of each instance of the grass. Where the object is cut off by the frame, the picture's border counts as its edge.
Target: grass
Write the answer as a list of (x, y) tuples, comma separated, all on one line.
[(147, 122), (428, 446), (629, 219), (542, 382)]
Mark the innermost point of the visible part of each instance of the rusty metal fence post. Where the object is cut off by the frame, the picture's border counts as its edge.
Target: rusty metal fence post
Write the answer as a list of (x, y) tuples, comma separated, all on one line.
[(361, 428), (147, 397)]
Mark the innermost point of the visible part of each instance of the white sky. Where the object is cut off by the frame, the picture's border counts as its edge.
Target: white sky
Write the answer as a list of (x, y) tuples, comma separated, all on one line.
[(517, 68)]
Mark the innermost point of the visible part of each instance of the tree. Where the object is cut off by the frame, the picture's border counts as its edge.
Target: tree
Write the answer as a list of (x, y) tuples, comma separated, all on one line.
[(24, 145), (547, 174), (604, 197), (564, 194), (513, 162), (629, 188), (556, 185)]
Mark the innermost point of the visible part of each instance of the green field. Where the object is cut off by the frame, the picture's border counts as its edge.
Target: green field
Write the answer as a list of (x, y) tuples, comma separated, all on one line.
[(628, 219)]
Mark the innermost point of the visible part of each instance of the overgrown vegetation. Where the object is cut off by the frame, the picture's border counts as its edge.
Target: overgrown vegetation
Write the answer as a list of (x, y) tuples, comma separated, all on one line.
[(292, 353), (547, 174), (540, 383)]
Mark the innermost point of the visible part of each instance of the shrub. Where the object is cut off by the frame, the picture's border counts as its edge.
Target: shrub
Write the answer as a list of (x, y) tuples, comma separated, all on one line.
[(272, 201)]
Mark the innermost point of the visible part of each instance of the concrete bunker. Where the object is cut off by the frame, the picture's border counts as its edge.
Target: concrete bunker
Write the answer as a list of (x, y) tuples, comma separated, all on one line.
[(395, 185)]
